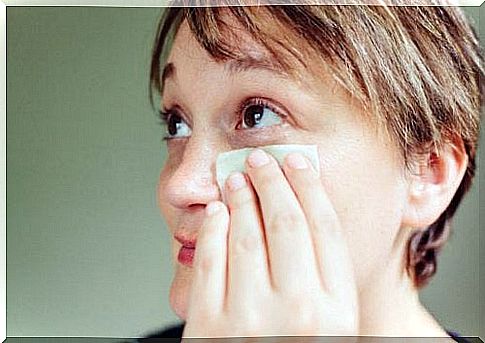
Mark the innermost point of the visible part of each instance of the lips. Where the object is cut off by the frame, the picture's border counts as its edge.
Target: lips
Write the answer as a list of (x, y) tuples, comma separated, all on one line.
[(187, 250), (186, 241)]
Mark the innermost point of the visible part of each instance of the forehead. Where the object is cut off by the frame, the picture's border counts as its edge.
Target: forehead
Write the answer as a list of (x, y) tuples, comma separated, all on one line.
[(193, 69), (245, 52), (247, 55)]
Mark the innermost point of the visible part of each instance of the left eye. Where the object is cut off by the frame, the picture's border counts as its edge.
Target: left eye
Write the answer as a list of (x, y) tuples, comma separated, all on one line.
[(259, 114)]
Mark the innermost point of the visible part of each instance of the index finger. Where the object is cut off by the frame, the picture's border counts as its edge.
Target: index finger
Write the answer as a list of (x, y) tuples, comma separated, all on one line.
[(208, 287)]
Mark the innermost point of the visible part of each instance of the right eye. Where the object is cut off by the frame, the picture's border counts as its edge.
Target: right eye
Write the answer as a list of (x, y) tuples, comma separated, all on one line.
[(176, 126), (260, 113)]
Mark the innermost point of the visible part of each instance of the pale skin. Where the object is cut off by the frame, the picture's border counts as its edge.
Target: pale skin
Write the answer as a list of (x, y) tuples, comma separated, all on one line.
[(326, 257)]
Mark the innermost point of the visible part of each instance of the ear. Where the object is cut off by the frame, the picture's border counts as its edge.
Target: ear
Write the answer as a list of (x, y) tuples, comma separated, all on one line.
[(433, 183)]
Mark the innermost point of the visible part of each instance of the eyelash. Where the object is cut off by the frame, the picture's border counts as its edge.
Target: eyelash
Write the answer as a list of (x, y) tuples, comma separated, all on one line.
[(165, 115), (260, 102)]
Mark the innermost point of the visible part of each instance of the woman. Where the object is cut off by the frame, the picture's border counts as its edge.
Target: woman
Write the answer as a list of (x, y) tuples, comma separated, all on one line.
[(390, 96)]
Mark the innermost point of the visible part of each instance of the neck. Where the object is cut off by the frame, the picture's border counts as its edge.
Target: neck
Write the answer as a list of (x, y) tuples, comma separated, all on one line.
[(390, 306)]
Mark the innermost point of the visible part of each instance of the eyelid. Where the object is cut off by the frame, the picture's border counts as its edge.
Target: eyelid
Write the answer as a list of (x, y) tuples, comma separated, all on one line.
[(165, 113), (165, 116)]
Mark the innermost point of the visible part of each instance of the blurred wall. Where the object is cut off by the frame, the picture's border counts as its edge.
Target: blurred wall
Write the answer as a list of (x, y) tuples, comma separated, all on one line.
[(87, 251)]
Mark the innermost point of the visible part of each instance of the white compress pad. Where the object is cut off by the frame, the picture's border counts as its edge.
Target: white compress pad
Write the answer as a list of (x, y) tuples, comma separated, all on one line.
[(231, 161)]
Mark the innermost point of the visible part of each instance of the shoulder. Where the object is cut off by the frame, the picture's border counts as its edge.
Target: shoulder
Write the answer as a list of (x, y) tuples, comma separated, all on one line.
[(456, 337), (173, 331)]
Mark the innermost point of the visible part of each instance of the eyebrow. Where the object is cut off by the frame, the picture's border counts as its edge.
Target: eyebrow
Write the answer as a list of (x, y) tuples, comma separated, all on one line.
[(233, 66), (250, 63)]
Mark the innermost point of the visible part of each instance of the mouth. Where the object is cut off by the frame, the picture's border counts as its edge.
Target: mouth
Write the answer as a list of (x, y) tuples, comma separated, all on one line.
[(187, 250)]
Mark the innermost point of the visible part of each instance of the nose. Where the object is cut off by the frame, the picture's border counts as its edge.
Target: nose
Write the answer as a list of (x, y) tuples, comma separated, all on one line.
[(192, 182)]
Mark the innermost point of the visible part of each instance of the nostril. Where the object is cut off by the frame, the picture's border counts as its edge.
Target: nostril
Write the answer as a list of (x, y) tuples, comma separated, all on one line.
[(190, 180), (196, 207), (191, 195)]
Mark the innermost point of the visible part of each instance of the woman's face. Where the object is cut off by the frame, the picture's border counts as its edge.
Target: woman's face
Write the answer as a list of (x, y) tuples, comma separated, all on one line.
[(220, 109)]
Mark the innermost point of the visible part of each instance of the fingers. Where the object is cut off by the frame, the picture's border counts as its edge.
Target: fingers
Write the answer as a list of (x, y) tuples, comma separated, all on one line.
[(248, 273), (209, 280), (291, 258), (282, 234), (327, 237)]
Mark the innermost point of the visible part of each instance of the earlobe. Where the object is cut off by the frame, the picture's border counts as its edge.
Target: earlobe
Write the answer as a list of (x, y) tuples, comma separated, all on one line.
[(433, 183)]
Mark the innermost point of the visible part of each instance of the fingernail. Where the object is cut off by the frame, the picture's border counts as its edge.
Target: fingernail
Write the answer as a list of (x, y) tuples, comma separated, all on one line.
[(236, 181), (296, 161), (212, 208), (258, 158)]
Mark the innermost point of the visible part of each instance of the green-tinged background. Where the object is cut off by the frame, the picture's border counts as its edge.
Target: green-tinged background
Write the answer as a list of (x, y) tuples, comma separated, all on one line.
[(87, 250)]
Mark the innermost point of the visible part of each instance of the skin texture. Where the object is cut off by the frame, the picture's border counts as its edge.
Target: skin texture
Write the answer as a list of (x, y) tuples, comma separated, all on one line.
[(374, 202)]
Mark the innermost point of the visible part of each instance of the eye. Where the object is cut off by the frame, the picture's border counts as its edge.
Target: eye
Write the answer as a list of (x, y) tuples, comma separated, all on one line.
[(259, 112), (175, 125)]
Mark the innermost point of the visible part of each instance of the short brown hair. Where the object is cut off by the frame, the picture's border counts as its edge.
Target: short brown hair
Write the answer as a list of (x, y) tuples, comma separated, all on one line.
[(416, 69)]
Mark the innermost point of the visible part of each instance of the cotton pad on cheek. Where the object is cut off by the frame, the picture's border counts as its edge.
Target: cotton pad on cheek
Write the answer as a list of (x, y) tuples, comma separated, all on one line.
[(232, 161)]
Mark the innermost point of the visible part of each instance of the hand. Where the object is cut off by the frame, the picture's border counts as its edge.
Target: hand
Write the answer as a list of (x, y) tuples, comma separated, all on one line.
[(278, 264)]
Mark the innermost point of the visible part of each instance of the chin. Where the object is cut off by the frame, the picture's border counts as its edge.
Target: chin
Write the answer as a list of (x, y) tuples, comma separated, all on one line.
[(179, 295)]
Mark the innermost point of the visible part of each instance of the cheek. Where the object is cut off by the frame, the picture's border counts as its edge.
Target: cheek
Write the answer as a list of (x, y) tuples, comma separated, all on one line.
[(367, 193), (166, 211), (181, 282)]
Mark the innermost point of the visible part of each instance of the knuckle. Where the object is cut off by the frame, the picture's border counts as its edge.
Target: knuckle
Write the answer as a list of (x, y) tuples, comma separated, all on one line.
[(347, 320), (205, 262), (210, 232), (325, 224), (249, 320), (303, 309), (241, 199), (254, 322), (286, 222), (246, 243), (265, 181)]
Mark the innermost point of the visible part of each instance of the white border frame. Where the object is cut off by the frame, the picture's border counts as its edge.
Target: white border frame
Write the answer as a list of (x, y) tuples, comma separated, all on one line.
[(3, 172), (164, 3), (3, 111)]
